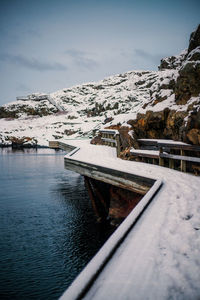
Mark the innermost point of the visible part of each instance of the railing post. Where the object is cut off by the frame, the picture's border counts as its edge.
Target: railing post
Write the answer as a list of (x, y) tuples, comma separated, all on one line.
[(171, 161), (161, 160), (183, 162), (118, 146)]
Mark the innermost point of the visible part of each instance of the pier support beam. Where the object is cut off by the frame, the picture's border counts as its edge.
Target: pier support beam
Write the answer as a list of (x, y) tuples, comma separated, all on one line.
[(100, 203), (110, 202)]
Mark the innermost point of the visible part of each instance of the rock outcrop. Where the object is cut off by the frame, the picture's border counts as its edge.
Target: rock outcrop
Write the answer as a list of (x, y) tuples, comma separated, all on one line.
[(181, 122)]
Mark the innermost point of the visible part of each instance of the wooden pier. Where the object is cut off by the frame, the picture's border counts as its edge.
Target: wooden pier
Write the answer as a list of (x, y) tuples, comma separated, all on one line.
[(132, 263), (103, 197)]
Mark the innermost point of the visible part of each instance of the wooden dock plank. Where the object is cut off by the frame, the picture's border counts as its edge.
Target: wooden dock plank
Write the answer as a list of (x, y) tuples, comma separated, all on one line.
[(124, 180)]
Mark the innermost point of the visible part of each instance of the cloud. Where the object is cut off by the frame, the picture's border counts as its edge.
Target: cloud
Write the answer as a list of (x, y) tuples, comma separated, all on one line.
[(32, 63), (82, 59), (155, 58)]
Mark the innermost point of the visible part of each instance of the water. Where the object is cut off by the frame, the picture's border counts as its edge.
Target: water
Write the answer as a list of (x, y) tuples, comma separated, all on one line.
[(48, 231)]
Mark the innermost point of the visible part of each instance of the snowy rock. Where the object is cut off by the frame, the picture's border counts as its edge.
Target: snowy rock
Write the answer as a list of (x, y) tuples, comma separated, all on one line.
[(188, 82), (172, 62), (194, 55)]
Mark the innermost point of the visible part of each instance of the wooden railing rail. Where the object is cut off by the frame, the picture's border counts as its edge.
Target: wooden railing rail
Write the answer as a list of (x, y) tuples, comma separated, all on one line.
[(111, 138), (172, 150)]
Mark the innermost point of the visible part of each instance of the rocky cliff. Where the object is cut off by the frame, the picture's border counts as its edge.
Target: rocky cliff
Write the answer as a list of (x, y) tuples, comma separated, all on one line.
[(141, 104), (173, 108)]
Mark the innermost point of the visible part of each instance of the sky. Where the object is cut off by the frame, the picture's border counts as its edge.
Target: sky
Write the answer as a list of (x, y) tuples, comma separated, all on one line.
[(47, 45)]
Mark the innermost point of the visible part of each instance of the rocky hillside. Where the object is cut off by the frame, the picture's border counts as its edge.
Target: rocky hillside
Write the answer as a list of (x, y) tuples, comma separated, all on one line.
[(142, 104), (173, 107)]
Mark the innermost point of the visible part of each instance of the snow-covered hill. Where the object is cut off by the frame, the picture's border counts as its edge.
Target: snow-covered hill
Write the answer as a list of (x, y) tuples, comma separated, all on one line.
[(152, 103), (86, 108)]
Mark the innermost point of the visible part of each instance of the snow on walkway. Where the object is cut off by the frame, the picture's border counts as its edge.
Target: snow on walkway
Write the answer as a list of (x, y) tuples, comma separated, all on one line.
[(160, 257)]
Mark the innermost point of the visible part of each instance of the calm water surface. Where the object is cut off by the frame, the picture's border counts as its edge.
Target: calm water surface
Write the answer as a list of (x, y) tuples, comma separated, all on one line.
[(48, 231)]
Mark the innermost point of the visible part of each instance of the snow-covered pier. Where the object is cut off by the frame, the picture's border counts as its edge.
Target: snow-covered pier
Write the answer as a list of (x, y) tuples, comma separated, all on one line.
[(154, 253)]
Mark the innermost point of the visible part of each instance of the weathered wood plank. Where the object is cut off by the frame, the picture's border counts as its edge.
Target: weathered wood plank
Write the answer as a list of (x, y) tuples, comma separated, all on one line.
[(161, 160), (146, 142), (61, 145), (169, 144), (179, 146), (171, 163), (66, 147), (180, 157), (92, 197), (124, 180), (118, 145), (108, 131), (183, 162), (54, 144), (109, 140), (154, 161), (144, 154)]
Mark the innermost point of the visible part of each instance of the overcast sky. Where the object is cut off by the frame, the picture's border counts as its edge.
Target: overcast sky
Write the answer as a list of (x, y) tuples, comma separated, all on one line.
[(46, 45)]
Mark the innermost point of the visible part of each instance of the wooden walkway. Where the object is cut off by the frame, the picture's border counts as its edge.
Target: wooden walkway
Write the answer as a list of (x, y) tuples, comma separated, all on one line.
[(158, 235), (138, 184)]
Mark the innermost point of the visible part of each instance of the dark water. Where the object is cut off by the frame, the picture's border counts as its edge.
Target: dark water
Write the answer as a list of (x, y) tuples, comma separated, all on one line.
[(48, 231)]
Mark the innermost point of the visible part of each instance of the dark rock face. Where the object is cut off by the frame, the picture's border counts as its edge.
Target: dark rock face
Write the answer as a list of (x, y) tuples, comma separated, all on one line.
[(194, 39), (188, 82), (176, 62), (150, 125), (193, 126), (171, 124), (179, 117), (194, 55)]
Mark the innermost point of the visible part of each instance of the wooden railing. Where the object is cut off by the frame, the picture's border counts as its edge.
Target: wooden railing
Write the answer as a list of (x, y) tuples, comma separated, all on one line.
[(182, 156), (162, 151), (61, 145), (111, 138), (166, 153)]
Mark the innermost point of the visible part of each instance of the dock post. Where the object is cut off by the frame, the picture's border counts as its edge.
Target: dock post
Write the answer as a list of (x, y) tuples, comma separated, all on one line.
[(91, 195), (104, 204), (100, 206)]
